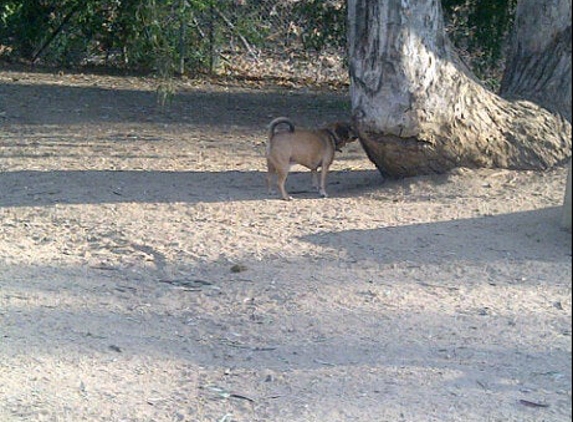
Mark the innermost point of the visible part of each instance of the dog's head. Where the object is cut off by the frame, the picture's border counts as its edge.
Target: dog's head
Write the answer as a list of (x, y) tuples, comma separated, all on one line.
[(342, 133)]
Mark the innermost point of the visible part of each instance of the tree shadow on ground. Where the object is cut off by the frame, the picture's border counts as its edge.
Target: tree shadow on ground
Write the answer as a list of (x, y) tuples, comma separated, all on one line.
[(46, 188), (389, 342), (378, 347), (45, 104), (535, 234)]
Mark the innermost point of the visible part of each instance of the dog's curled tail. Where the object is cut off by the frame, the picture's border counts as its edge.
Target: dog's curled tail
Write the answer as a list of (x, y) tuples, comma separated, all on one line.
[(279, 121)]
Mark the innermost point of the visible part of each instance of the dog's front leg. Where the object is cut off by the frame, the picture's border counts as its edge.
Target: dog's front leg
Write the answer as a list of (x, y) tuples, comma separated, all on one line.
[(322, 189), (315, 184)]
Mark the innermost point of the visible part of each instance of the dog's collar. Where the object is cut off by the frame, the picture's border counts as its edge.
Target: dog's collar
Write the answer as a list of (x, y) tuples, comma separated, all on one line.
[(333, 139)]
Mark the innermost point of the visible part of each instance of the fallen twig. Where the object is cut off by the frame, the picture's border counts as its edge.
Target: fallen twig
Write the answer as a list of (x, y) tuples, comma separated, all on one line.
[(188, 285), (532, 404)]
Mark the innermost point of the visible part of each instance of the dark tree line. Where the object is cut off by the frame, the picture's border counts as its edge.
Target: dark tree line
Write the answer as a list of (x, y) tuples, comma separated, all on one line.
[(146, 35)]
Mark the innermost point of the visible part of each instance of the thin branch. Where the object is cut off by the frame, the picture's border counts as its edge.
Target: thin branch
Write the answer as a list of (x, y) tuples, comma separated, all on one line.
[(230, 24), (56, 32)]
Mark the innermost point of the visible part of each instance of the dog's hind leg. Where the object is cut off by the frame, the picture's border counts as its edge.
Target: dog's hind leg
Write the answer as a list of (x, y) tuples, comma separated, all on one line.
[(271, 171), (281, 180)]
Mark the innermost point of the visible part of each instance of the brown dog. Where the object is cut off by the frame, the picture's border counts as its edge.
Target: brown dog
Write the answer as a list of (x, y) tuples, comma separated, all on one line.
[(310, 148)]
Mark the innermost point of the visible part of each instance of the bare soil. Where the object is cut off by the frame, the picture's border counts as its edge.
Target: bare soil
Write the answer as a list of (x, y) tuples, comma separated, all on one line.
[(146, 275)]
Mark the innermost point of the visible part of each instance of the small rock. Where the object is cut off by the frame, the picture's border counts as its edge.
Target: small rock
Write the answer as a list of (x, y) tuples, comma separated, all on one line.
[(238, 268)]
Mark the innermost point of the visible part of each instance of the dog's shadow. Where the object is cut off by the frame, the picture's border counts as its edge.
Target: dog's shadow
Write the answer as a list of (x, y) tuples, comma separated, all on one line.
[(45, 188), (340, 183)]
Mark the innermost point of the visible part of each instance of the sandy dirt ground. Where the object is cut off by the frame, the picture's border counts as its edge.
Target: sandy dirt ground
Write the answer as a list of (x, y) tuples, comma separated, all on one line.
[(146, 275)]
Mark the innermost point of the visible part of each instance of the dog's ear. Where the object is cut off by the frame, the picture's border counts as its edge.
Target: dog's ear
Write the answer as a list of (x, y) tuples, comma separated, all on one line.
[(353, 132), (345, 132)]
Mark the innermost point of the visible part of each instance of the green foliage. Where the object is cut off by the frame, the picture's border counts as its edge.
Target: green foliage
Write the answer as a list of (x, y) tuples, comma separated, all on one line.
[(324, 23), (24, 23), (142, 35), (479, 29), (167, 36)]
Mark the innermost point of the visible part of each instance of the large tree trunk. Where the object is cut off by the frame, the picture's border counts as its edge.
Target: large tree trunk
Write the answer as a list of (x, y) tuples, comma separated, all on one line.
[(539, 66), (419, 110)]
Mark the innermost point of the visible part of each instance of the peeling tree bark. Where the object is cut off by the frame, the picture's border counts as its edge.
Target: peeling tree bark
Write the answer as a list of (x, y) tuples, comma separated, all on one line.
[(419, 110)]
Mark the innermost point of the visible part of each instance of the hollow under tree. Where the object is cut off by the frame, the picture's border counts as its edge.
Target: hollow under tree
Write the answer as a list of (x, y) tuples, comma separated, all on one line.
[(420, 110)]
